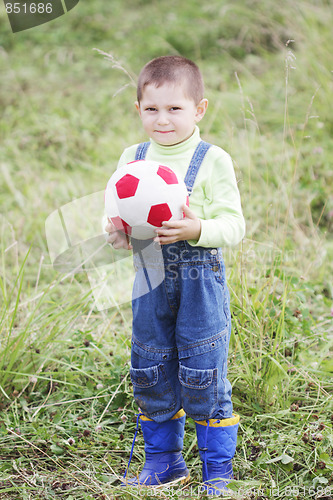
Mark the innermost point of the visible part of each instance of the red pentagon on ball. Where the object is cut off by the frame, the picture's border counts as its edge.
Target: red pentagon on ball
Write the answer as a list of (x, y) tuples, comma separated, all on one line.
[(121, 225), (127, 186), (167, 174), (159, 213)]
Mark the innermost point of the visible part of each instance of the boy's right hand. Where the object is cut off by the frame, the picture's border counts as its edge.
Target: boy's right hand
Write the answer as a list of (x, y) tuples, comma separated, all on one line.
[(117, 239)]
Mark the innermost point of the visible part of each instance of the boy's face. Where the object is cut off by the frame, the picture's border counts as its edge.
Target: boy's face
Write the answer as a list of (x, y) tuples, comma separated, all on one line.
[(167, 115)]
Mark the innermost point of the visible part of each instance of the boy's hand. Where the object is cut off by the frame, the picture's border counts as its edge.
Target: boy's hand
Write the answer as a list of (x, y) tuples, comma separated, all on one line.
[(116, 238), (178, 230)]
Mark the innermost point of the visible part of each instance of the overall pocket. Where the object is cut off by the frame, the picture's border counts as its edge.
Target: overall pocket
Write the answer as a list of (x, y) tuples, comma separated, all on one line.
[(152, 390), (198, 391)]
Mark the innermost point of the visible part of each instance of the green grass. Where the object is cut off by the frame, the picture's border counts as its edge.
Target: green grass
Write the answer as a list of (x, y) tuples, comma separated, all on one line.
[(67, 415)]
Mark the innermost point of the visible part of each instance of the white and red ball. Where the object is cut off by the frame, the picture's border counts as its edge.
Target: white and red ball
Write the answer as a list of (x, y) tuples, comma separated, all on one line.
[(141, 195)]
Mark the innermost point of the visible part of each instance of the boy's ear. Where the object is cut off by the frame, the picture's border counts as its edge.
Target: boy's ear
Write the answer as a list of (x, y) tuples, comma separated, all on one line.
[(201, 109), (137, 105)]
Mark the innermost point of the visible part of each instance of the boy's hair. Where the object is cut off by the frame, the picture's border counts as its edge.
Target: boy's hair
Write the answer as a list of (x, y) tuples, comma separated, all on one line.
[(172, 69)]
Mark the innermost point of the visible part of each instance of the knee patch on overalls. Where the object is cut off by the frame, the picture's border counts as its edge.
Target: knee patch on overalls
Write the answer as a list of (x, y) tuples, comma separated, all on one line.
[(202, 375), (152, 390), (154, 379)]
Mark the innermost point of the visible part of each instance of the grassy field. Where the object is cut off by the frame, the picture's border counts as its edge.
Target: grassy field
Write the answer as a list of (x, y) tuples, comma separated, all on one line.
[(67, 416)]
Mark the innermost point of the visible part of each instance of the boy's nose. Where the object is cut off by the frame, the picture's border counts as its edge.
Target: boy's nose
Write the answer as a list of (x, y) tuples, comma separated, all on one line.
[(162, 119)]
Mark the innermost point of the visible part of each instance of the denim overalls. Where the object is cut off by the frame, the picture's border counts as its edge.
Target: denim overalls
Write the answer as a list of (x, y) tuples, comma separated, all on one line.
[(181, 325)]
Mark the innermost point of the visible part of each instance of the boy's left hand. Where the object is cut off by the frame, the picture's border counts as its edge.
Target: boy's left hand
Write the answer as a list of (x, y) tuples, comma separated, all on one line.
[(178, 230)]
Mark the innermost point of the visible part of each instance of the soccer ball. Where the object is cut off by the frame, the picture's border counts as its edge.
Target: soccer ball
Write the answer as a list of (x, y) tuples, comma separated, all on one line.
[(141, 195)]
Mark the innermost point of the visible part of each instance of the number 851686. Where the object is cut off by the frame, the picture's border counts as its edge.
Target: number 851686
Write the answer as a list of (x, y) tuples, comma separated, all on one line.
[(32, 8)]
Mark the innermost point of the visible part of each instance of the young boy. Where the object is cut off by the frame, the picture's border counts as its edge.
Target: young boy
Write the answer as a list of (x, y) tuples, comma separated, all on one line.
[(181, 328)]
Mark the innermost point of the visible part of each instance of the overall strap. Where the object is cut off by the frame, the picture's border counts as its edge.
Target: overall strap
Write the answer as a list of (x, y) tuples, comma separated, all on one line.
[(194, 165), (142, 151)]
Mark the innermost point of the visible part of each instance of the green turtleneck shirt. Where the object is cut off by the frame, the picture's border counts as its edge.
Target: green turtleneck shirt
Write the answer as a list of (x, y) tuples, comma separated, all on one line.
[(215, 197)]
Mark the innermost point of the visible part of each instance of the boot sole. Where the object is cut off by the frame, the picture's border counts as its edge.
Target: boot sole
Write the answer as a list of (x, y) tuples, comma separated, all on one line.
[(182, 480)]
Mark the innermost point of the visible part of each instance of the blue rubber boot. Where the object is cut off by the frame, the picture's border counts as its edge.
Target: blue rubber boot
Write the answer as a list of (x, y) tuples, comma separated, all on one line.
[(217, 441), (164, 464)]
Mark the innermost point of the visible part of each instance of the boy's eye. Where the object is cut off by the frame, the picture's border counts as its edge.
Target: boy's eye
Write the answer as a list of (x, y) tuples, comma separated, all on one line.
[(150, 109), (175, 108)]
